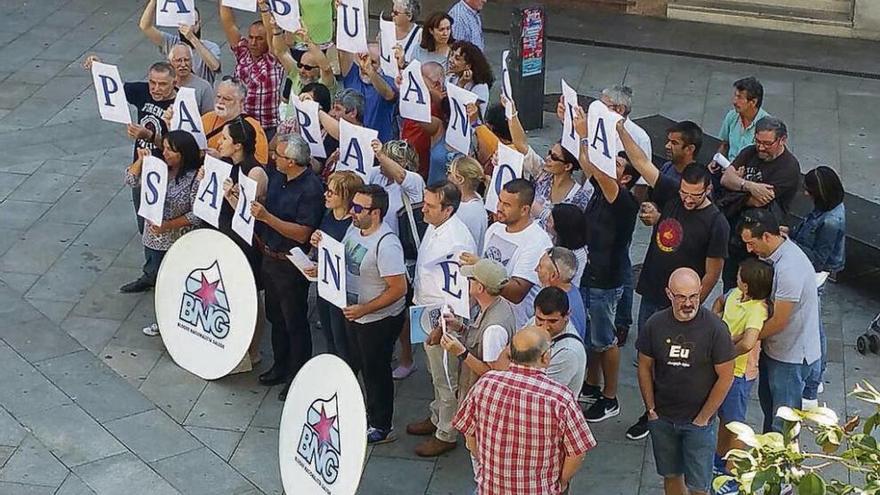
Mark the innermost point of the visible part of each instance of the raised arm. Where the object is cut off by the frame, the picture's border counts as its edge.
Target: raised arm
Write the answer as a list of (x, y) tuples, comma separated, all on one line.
[(148, 24), (636, 156), (517, 133), (382, 87), (330, 124), (268, 22), (609, 186), (227, 22), (389, 167), (209, 58)]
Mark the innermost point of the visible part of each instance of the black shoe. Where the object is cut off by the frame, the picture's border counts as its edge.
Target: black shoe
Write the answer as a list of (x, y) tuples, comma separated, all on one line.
[(602, 409), (589, 394), (272, 377), (639, 430), (139, 285), (282, 396)]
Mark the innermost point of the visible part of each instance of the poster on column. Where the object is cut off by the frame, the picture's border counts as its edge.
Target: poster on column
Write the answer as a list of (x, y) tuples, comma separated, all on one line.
[(186, 116), (459, 131), (154, 186), (242, 220), (388, 37), (570, 139), (310, 125), (286, 13), (322, 442), (509, 167), (206, 303), (415, 100), (112, 104), (209, 196), (331, 271), (248, 5), (173, 13), (355, 148), (602, 125), (506, 88), (351, 26)]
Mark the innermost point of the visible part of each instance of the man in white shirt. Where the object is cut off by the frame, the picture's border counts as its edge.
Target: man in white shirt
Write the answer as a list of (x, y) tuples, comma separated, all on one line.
[(518, 243), (439, 280)]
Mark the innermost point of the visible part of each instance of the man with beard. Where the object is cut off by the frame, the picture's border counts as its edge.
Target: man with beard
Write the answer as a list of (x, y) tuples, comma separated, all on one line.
[(206, 54), (303, 67), (686, 362), (228, 106), (181, 57)]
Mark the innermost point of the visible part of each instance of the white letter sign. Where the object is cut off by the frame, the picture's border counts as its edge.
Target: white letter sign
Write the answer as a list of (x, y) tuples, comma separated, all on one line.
[(286, 14), (601, 123), (209, 197), (186, 116), (111, 98), (355, 147), (415, 101), (570, 139), (506, 88), (249, 5), (172, 13), (309, 125), (154, 186), (388, 37), (509, 167), (242, 220), (351, 26), (459, 131), (331, 271)]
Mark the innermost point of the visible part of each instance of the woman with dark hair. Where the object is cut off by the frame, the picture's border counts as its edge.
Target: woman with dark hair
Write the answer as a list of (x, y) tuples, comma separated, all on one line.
[(822, 237), (182, 156), (206, 54), (468, 69), (436, 40)]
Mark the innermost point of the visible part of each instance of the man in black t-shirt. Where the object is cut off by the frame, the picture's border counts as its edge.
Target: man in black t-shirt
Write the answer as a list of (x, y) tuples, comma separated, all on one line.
[(765, 175), (686, 360)]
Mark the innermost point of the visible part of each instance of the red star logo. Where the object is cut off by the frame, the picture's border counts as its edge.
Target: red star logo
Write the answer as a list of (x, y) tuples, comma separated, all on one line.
[(207, 292), (323, 427)]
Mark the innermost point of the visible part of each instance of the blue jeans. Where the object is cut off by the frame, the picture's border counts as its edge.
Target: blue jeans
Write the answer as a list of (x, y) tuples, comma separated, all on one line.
[(781, 384), (624, 317), (585, 296), (685, 450), (811, 388), (603, 306), (646, 310)]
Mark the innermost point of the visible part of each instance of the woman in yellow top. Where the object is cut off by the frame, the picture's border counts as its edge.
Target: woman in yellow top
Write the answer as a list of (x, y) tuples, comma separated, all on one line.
[(744, 311)]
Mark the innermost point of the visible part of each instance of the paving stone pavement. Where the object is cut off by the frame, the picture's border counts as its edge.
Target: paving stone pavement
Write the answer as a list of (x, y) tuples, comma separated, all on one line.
[(91, 405)]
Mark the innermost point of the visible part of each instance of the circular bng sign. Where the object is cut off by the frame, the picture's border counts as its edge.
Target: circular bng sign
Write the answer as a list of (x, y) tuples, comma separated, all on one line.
[(323, 436), (206, 303)]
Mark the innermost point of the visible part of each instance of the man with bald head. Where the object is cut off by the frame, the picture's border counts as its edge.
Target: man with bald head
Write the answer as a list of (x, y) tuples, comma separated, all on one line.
[(523, 407), (685, 370), (360, 71)]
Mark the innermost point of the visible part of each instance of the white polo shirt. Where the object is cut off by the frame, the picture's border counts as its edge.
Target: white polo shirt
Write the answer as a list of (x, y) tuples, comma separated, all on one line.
[(441, 245)]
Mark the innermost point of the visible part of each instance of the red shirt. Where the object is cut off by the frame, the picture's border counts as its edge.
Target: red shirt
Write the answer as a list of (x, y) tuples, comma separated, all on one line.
[(262, 77), (525, 425), (411, 131)]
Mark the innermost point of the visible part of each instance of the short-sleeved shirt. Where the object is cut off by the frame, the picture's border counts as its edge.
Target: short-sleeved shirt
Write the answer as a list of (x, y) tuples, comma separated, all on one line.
[(413, 186), (681, 238), (519, 252), (199, 67), (737, 136), (740, 315), (609, 232), (300, 201), (214, 131), (333, 227), (262, 77), (685, 354), (467, 25), (473, 214), (795, 281), (367, 260), (204, 93), (783, 173), (568, 358), (424, 56), (378, 112), (149, 114)]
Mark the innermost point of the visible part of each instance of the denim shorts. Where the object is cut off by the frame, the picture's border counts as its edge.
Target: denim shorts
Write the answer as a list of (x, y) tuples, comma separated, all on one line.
[(603, 309), (736, 403), (685, 449)]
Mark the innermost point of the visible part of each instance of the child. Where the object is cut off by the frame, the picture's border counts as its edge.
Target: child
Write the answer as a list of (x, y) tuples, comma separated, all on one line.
[(744, 311)]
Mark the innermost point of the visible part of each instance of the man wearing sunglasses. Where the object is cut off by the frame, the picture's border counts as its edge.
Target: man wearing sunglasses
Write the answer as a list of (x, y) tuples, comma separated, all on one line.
[(691, 232)]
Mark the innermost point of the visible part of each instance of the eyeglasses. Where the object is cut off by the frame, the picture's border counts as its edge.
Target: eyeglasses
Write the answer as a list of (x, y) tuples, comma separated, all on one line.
[(765, 144), (552, 260), (698, 195), (681, 298), (556, 158), (358, 209)]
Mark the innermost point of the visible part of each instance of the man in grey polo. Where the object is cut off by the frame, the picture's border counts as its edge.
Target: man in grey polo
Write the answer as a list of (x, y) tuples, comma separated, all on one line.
[(568, 357), (790, 345)]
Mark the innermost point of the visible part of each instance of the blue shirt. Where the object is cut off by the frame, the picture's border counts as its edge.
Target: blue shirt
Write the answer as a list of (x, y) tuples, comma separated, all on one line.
[(736, 136), (577, 312), (378, 112), (300, 201), (822, 237), (467, 24)]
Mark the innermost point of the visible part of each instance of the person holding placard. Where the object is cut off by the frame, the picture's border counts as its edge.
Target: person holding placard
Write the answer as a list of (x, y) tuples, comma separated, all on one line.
[(420, 135), (311, 67), (468, 68), (467, 174), (360, 72), (288, 216), (408, 34), (181, 56), (436, 38), (206, 56), (228, 102), (181, 155), (318, 93)]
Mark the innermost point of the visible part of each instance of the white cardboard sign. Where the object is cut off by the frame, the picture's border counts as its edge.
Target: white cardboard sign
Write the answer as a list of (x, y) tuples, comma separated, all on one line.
[(173, 13), (414, 99), (331, 271), (248, 5), (310, 125), (351, 26), (355, 147), (286, 13), (154, 186), (570, 139), (509, 167), (388, 37), (112, 104), (242, 220), (186, 116), (209, 196), (506, 88), (602, 125), (459, 131)]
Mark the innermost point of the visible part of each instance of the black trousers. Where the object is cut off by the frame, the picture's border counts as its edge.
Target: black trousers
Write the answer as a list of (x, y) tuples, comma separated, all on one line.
[(287, 307), (370, 346)]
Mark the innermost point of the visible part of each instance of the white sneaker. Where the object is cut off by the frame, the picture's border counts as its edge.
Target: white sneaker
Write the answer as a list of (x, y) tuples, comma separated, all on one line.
[(152, 330), (807, 404), (820, 388)]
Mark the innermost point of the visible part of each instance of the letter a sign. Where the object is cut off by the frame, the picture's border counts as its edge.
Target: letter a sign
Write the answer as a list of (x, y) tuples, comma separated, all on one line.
[(331, 271), (415, 101), (209, 197), (111, 98), (355, 148), (154, 185), (351, 26), (172, 13), (186, 116), (602, 124)]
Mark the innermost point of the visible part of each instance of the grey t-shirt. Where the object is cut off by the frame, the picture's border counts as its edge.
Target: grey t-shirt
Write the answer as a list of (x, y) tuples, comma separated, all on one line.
[(795, 281), (204, 93), (568, 358), (367, 260), (199, 67)]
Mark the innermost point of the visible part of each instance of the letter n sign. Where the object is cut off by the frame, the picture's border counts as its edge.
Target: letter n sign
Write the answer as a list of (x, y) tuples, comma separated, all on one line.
[(332, 271)]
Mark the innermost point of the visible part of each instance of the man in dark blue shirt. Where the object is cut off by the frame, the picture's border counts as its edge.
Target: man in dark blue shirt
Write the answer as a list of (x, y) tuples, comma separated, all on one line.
[(292, 211)]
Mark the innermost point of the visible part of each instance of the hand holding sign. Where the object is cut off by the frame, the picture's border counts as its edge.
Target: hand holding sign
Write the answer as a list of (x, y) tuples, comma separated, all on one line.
[(351, 26), (243, 220), (509, 167), (331, 272), (459, 131), (570, 139), (355, 148), (172, 13), (154, 186), (209, 196), (307, 118), (388, 58), (506, 88), (286, 14), (185, 116), (603, 139), (415, 100), (112, 103)]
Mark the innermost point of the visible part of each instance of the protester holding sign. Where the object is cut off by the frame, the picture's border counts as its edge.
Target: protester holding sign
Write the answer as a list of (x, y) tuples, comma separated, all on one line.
[(404, 14), (206, 56), (421, 135), (436, 38), (181, 154), (360, 72), (228, 103), (468, 69), (312, 66)]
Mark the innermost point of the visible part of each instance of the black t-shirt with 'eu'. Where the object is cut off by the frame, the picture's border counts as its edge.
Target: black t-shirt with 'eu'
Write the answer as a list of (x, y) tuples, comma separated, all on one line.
[(149, 114), (609, 232), (681, 238), (685, 354)]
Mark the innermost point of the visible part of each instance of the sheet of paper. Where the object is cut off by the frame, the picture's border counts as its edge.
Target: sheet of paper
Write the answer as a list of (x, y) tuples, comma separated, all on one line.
[(209, 196), (242, 220), (154, 186), (112, 104), (302, 262)]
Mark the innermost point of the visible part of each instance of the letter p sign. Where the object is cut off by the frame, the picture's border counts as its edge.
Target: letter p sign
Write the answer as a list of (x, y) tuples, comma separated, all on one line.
[(111, 101)]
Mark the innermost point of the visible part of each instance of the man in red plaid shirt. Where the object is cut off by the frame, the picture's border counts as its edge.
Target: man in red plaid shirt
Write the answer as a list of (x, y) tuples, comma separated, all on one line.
[(256, 67), (525, 431)]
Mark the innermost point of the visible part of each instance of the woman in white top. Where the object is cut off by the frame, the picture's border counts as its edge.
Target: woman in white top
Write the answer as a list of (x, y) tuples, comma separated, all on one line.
[(467, 174), (468, 69), (436, 38), (404, 14)]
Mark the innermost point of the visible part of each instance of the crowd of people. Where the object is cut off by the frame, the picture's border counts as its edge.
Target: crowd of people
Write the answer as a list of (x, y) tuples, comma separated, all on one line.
[(549, 272)]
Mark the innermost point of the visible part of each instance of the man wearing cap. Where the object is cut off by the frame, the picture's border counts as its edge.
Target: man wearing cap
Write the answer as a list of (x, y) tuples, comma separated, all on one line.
[(438, 281)]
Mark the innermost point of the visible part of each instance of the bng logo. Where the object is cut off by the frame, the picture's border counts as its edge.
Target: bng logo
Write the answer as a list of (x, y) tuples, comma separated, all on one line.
[(204, 304), (319, 445)]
